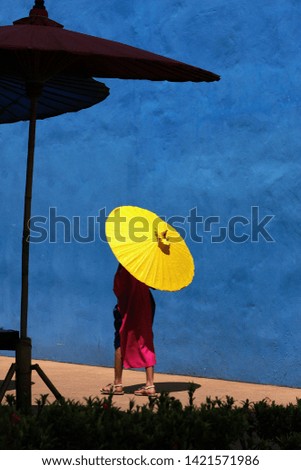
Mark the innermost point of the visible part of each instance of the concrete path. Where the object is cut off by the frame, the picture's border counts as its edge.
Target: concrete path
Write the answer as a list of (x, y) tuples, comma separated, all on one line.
[(76, 382)]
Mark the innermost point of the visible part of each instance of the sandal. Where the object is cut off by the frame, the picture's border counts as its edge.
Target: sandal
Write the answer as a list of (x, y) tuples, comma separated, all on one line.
[(111, 389), (146, 391)]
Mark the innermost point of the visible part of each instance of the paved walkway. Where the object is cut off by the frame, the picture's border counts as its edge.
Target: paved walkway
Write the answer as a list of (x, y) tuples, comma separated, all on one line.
[(76, 382)]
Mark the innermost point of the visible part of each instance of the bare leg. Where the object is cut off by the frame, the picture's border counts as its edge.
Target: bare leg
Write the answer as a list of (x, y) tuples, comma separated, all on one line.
[(116, 387), (118, 367), (149, 376), (149, 389)]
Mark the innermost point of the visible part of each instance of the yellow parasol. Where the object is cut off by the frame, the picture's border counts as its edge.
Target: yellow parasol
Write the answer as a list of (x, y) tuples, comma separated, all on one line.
[(149, 248)]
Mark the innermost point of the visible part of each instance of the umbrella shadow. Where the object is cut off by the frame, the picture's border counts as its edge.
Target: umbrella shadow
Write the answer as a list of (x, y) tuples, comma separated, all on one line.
[(164, 387)]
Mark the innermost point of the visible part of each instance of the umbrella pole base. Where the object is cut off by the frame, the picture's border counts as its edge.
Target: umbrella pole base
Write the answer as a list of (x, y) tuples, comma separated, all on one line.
[(23, 369), (47, 381), (6, 382), (23, 374)]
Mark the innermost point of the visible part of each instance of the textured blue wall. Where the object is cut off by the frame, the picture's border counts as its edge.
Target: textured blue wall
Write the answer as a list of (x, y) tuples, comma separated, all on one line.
[(221, 148)]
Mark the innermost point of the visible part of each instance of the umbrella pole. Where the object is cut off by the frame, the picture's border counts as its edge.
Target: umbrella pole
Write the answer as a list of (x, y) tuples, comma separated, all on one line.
[(27, 215), (23, 351)]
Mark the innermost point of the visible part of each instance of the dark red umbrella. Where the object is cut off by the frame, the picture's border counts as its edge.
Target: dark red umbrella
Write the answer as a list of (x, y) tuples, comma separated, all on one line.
[(39, 48), (47, 70)]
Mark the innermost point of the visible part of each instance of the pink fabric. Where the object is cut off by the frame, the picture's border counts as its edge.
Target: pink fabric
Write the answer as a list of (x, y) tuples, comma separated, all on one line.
[(135, 306)]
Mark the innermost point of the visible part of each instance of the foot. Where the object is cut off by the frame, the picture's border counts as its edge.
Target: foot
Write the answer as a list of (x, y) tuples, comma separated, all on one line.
[(112, 389), (147, 391)]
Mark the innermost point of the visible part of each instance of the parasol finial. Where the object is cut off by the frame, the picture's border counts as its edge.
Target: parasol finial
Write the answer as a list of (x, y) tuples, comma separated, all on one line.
[(38, 15), (39, 4), (38, 9)]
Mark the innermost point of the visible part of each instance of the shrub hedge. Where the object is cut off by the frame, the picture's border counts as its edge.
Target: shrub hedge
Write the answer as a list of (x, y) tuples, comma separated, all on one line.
[(162, 423)]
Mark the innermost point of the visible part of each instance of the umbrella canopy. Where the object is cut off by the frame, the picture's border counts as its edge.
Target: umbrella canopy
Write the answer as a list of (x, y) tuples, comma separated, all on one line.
[(58, 95), (149, 248), (39, 48)]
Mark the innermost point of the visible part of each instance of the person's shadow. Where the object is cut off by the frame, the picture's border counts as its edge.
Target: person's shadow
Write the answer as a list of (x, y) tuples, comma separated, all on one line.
[(165, 387)]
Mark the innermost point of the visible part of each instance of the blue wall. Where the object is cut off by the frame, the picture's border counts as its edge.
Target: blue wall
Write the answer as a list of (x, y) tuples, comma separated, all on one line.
[(221, 148)]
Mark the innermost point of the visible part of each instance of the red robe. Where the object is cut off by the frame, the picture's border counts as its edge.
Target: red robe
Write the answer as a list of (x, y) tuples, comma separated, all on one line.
[(136, 307)]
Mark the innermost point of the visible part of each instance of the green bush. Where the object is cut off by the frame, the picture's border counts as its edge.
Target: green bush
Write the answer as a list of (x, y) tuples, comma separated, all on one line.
[(163, 423)]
